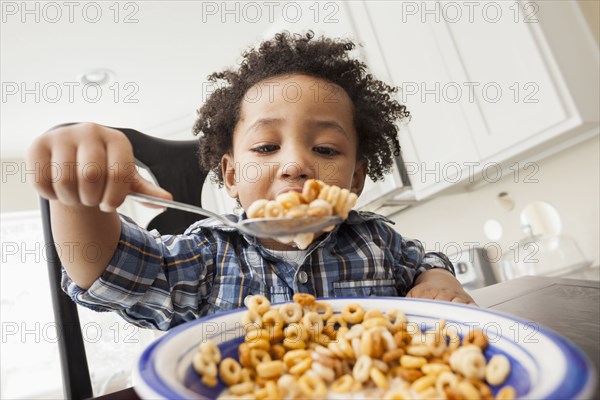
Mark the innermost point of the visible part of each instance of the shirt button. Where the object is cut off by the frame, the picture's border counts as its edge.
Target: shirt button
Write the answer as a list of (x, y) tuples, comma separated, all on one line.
[(302, 277)]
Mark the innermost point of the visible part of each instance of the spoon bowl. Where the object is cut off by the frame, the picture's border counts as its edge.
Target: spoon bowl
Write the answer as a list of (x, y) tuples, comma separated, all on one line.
[(259, 227), (270, 227)]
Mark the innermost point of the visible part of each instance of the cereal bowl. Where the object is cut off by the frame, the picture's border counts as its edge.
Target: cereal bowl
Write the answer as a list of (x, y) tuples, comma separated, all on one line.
[(544, 365)]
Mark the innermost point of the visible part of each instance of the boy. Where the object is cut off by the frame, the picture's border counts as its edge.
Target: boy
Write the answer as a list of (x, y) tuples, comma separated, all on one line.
[(297, 108)]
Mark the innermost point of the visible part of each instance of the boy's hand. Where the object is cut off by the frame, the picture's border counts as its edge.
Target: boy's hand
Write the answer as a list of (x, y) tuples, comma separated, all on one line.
[(439, 284), (87, 165)]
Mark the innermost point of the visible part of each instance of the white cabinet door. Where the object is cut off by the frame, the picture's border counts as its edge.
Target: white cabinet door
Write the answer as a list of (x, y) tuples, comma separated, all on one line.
[(513, 91), (437, 144)]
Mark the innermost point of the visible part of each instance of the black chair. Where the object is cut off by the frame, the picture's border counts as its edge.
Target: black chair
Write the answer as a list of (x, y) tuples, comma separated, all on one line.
[(174, 166)]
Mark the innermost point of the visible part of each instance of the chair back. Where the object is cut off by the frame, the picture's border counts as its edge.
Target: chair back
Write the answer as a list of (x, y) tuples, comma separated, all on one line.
[(174, 166)]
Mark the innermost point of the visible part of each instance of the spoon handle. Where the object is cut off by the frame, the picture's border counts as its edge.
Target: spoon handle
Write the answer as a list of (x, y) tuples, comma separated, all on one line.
[(144, 198)]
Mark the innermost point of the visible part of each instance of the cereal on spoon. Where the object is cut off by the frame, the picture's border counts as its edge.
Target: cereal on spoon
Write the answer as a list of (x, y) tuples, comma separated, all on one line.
[(317, 199)]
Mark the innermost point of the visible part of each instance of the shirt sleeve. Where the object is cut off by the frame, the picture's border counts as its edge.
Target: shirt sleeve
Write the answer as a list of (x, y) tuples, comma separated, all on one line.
[(414, 253), (152, 281), (413, 261)]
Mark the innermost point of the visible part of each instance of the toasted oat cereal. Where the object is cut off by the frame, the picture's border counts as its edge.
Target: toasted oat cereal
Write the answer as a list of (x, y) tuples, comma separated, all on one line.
[(315, 358)]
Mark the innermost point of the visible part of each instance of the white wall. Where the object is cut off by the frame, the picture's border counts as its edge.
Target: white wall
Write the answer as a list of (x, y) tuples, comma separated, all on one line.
[(15, 193), (570, 181)]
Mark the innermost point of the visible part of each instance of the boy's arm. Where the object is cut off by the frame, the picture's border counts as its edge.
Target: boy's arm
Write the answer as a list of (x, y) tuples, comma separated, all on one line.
[(90, 235), (86, 170)]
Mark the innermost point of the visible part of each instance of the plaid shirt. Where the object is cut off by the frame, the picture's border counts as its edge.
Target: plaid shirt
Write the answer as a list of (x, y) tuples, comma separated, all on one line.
[(161, 281)]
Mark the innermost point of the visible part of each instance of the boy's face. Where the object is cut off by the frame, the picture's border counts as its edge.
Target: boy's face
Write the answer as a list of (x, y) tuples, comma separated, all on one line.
[(292, 128)]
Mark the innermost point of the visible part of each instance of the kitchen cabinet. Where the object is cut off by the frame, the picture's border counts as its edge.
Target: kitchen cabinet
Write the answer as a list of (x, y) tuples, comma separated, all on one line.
[(489, 84), (515, 93), (406, 53)]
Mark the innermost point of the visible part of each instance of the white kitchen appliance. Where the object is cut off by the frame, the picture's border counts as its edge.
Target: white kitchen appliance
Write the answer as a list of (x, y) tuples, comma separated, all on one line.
[(473, 269)]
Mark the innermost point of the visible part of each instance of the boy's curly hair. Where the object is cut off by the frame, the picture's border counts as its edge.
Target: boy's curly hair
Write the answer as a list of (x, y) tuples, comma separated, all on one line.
[(375, 110)]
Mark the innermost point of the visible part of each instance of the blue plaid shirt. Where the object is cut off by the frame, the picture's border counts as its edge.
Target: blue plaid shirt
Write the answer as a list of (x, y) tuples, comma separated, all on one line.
[(161, 281)]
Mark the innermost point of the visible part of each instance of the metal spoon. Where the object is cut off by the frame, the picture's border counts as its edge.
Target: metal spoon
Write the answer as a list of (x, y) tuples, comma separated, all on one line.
[(259, 227)]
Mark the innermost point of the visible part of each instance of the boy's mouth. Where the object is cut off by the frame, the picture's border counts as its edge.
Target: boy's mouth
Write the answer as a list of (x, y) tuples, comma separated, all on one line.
[(289, 189)]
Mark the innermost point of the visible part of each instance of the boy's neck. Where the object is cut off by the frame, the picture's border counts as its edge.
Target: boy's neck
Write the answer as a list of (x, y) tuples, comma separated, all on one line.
[(272, 244)]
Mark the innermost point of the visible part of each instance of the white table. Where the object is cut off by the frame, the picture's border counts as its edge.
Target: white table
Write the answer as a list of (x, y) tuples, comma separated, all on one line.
[(570, 307)]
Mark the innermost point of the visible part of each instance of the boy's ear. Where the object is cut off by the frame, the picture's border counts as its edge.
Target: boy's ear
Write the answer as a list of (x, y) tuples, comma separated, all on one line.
[(228, 171), (359, 176)]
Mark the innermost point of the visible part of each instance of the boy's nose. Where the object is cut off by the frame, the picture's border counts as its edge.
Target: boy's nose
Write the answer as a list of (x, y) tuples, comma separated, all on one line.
[(293, 170), (296, 166)]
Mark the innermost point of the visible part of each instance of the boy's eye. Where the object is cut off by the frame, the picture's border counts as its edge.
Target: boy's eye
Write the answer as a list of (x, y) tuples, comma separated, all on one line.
[(265, 148), (326, 151)]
